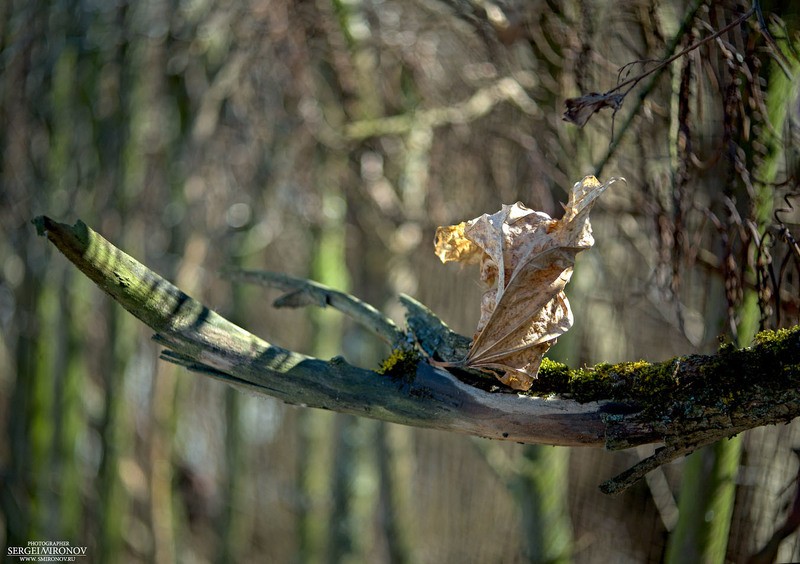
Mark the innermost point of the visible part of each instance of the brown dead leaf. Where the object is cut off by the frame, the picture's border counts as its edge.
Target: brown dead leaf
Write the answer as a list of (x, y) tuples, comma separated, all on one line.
[(581, 109), (452, 245), (526, 260)]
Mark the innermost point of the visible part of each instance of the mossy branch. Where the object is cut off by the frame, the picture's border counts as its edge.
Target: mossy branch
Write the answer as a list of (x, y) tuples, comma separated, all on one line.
[(683, 403)]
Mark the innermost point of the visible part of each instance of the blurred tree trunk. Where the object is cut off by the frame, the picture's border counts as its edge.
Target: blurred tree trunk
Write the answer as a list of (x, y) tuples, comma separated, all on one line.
[(340, 544), (328, 266), (17, 490), (111, 499), (304, 498), (229, 538), (110, 68), (542, 488), (40, 490), (391, 510), (709, 484), (231, 529), (705, 507)]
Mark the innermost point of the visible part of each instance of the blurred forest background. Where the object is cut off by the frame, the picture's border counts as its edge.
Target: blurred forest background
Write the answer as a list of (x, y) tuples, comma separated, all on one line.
[(328, 139)]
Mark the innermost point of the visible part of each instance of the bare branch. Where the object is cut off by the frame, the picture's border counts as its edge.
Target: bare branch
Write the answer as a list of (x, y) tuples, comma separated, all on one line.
[(683, 403), (483, 101), (301, 292), (206, 342)]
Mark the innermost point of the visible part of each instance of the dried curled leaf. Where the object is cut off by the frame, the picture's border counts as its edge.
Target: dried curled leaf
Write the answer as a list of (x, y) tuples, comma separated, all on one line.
[(453, 244), (526, 260), (580, 110)]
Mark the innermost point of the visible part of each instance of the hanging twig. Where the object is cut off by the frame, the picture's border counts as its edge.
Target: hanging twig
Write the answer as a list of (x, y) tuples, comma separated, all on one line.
[(580, 110)]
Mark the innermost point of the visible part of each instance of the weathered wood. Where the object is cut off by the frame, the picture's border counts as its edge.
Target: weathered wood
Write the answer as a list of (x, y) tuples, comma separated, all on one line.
[(301, 293), (684, 403), (207, 342)]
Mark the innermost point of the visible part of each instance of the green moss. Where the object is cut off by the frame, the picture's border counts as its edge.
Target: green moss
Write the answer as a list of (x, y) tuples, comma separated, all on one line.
[(682, 388), (588, 384), (623, 381), (724, 381), (553, 377), (778, 338), (401, 363), (773, 362), (639, 380)]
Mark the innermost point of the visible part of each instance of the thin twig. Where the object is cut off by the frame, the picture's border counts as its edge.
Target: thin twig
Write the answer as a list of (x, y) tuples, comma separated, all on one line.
[(623, 481), (618, 98), (648, 88), (636, 79)]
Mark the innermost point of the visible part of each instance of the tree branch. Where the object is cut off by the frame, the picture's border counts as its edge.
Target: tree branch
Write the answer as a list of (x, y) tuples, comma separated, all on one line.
[(300, 292), (507, 89), (684, 403)]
